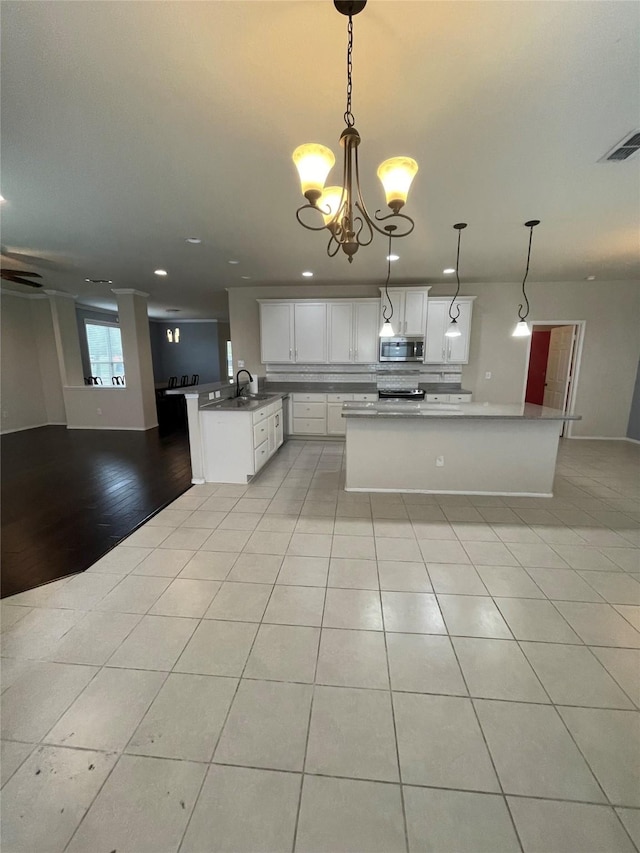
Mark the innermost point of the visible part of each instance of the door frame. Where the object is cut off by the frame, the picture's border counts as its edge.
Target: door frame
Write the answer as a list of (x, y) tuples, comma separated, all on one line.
[(575, 374)]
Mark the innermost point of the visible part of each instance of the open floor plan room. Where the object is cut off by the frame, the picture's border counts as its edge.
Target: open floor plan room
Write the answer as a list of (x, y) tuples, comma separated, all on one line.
[(286, 666)]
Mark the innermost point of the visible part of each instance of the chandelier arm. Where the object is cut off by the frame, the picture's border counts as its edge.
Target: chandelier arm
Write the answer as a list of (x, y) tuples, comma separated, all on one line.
[(524, 316), (304, 224), (394, 217), (333, 253), (363, 222), (386, 285)]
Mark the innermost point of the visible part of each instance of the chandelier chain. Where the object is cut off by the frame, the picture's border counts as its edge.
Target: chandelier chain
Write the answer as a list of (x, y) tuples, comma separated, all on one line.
[(523, 316), (348, 115), (386, 318)]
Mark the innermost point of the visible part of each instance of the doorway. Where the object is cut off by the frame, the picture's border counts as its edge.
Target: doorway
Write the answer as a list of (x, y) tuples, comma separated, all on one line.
[(552, 369)]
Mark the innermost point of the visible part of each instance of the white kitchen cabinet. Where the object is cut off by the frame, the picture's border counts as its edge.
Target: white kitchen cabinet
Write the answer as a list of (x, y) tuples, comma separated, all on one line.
[(336, 424), (341, 332), (439, 349), (353, 331), (237, 444), (409, 310), (276, 332), (310, 325)]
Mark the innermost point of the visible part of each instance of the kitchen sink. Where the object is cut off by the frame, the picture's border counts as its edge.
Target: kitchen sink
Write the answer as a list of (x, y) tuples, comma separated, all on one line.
[(259, 396)]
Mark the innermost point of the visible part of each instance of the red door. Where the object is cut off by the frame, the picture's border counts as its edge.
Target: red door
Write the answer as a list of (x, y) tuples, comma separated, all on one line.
[(540, 340)]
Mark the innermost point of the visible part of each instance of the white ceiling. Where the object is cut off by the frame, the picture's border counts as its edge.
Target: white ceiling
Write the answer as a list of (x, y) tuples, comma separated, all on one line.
[(127, 127)]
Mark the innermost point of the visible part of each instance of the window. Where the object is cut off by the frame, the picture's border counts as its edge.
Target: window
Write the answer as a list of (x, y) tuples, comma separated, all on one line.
[(229, 361), (104, 343)]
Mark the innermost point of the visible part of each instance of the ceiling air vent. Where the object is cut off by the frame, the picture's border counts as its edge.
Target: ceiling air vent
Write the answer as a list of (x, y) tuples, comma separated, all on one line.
[(629, 145)]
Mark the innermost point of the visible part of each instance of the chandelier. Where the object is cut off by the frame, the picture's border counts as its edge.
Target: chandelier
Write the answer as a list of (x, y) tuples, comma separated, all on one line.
[(342, 208)]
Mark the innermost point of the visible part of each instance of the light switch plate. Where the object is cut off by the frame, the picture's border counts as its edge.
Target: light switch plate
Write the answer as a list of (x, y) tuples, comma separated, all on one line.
[(487, 375)]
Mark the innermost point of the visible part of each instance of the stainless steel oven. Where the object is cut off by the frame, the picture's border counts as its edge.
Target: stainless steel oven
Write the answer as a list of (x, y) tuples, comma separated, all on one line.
[(401, 349)]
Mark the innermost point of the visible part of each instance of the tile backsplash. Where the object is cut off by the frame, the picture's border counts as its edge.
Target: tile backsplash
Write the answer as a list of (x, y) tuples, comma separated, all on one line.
[(407, 375)]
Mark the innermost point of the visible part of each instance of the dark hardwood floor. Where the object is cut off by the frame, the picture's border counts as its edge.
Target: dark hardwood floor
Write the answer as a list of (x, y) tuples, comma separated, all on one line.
[(69, 496)]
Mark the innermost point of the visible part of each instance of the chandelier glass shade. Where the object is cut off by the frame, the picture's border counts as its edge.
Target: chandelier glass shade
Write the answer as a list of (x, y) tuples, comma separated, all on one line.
[(342, 209)]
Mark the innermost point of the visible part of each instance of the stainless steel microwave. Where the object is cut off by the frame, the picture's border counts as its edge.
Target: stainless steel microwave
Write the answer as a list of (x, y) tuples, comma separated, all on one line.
[(401, 349)]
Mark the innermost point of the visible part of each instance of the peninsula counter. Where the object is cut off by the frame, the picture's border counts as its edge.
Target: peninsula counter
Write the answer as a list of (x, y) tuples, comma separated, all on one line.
[(471, 448)]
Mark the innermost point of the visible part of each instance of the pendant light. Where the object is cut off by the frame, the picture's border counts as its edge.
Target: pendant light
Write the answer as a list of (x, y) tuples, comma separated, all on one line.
[(387, 329), (522, 329), (342, 208), (453, 331)]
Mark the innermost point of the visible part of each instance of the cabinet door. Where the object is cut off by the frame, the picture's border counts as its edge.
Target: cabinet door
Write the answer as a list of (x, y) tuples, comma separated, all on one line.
[(279, 427), (271, 434), (458, 348), (397, 303), (366, 332), (435, 351), (415, 312), (336, 424), (310, 323), (276, 332), (340, 332)]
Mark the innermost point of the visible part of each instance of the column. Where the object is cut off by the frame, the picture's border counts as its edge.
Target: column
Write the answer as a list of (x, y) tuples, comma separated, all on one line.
[(65, 330), (136, 350)]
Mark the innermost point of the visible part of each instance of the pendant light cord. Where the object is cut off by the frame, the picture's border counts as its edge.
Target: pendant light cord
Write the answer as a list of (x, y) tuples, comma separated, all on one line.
[(386, 286), (348, 115), (459, 226), (532, 224)]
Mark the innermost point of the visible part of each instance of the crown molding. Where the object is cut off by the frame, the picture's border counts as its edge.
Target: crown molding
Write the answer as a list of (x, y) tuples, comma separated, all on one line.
[(4, 292), (129, 290), (60, 293)]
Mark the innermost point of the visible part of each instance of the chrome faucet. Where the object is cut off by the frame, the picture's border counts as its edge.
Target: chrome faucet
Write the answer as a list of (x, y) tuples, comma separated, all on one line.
[(238, 389)]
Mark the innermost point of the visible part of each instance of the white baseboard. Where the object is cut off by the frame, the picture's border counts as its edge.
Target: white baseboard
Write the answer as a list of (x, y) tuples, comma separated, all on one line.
[(601, 438), (450, 492), (119, 428), (32, 426), (632, 440)]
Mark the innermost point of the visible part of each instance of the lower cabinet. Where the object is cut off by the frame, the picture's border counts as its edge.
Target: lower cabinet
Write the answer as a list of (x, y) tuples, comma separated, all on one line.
[(235, 445), (321, 414)]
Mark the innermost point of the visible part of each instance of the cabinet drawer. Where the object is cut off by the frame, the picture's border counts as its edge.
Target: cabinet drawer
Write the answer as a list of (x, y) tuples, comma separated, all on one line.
[(437, 398), (309, 410), (260, 432), (365, 398), (310, 426), (309, 398), (339, 398), (261, 455), (260, 415), (460, 398)]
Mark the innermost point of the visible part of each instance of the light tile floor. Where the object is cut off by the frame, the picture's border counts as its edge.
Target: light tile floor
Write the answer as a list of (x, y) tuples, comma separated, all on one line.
[(286, 666)]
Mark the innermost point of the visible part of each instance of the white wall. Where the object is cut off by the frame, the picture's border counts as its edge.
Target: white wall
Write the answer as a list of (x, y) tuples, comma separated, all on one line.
[(29, 379), (611, 347)]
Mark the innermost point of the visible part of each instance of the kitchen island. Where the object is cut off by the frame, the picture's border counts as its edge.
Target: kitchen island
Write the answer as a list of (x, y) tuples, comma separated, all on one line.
[(472, 448)]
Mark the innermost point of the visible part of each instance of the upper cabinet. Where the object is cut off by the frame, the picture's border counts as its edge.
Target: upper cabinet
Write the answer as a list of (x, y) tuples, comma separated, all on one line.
[(409, 304), (310, 332), (319, 332), (276, 332), (438, 348), (353, 331)]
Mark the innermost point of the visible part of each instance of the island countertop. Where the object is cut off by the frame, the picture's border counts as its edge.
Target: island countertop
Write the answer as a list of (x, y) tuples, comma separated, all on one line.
[(399, 409)]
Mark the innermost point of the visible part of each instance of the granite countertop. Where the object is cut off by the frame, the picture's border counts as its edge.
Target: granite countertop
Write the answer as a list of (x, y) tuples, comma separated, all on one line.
[(248, 404), (410, 409), (323, 387)]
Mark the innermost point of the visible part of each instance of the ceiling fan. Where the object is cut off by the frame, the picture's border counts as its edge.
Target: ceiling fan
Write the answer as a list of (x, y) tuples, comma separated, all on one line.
[(18, 277)]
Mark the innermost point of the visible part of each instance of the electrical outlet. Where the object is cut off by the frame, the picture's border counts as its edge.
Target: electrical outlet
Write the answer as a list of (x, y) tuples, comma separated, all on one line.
[(216, 394), (212, 395), (99, 411), (487, 375), (240, 363), (439, 461)]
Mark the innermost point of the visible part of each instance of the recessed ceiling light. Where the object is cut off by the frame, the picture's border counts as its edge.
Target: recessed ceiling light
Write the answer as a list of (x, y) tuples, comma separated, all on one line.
[(245, 277), (194, 240), (393, 257), (307, 274), (448, 271), (160, 272), (99, 280), (234, 262), (591, 278)]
